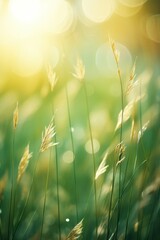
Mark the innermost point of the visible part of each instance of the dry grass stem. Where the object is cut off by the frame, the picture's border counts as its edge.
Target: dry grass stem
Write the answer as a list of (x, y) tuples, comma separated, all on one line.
[(47, 137), (120, 161), (102, 167), (133, 130), (131, 79), (52, 77), (116, 52), (24, 163), (128, 112), (120, 149), (141, 132), (76, 231), (79, 70), (15, 117)]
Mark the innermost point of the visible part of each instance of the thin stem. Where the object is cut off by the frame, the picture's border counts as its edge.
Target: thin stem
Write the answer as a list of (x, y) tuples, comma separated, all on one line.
[(45, 197), (93, 154), (120, 142), (10, 220), (128, 213), (110, 204), (28, 196), (1, 234), (73, 150), (57, 180)]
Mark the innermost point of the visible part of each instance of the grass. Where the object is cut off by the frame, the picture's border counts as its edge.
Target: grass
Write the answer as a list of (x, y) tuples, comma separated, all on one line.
[(69, 189)]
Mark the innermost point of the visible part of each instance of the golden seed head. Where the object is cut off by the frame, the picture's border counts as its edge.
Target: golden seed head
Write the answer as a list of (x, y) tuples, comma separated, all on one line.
[(47, 137), (131, 78), (116, 52), (120, 149), (15, 117), (79, 70), (76, 231), (24, 162), (102, 167), (52, 77)]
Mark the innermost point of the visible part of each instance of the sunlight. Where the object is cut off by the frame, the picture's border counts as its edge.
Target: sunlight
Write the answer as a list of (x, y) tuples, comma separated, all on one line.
[(27, 12), (27, 59), (98, 11)]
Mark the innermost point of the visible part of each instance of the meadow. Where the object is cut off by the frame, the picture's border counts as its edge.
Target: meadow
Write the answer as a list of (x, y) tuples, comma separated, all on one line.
[(79, 127)]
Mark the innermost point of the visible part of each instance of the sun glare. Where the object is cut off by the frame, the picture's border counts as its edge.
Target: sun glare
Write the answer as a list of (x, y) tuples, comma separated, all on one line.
[(28, 12)]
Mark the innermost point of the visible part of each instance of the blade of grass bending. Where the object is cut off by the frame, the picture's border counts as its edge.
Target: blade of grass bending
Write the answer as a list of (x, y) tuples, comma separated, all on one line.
[(45, 197), (110, 203), (93, 154), (57, 177), (73, 150), (28, 196), (116, 57), (128, 213), (11, 204)]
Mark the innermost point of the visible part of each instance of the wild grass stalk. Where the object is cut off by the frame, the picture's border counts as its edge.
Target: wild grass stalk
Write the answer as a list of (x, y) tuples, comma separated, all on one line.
[(116, 54), (12, 190), (47, 142), (45, 196), (111, 201), (80, 75), (93, 157), (57, 179), (18, 222), (73, 150)]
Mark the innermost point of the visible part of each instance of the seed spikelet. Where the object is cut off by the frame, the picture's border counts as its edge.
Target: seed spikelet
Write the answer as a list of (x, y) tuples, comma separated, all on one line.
[(24, 163), (76, 231), (47, 137), (15, 117)]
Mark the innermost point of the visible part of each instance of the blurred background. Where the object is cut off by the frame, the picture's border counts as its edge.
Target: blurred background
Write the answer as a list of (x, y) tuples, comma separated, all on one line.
[(35, 34)]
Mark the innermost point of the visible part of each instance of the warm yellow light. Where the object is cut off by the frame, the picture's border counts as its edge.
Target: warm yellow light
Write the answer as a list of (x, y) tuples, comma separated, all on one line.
[(126, 11), (153, 28), (57, 16), (54, 16), (133, 3), (27, 59), (98, 10), (106, 63), (26, 11)]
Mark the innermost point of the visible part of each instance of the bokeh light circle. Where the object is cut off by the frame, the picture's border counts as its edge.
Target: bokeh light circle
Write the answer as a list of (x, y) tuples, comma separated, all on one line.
[(153, 28), (105, 61), (27, 59), (28, 12), (58, 16), (68, 157), (98, 10), (96, 146), (133, 3), (126, 11)]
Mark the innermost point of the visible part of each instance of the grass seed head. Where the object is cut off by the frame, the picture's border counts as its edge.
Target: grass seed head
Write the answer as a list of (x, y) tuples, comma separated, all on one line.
[(47, 137), (24, 162), (52, 77), (15, 117), (102, 167), (76, 231), (79, 70), (116, 52), (131, 79)]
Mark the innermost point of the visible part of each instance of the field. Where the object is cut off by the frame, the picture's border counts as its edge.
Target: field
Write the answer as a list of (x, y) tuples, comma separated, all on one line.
[(79, 120)]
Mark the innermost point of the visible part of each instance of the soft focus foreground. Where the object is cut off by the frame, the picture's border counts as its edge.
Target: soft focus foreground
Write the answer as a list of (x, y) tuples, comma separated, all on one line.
[(79, 119)]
